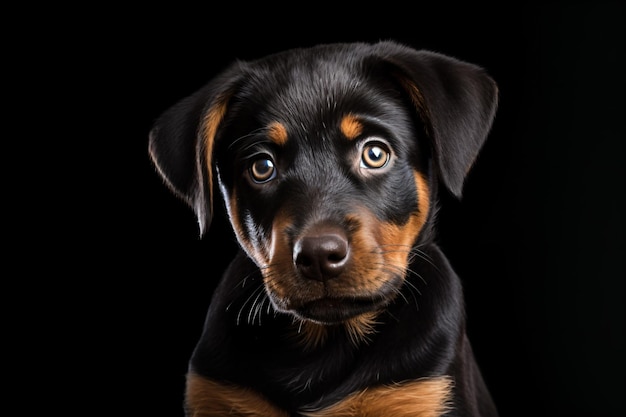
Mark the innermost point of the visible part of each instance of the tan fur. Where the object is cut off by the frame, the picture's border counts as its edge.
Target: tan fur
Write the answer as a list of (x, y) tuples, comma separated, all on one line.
[(429, 397), (207, 398), (423, 202), (398, 240), (351, 127), (364, 277), (256, 249), (379, 251), (277, 133), (212, 120), (360, 327), (278, 262), (313, 335)]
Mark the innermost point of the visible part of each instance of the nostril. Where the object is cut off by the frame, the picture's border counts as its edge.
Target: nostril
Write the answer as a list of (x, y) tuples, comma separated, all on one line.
[(335, 257), (302, 259), (321, 256)]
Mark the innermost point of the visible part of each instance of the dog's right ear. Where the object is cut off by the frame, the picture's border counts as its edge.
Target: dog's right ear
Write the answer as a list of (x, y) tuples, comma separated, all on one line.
[(181, 143), (456, 100)]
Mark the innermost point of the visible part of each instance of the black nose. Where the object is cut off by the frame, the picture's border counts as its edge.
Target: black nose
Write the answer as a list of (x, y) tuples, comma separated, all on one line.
[(322, 253)]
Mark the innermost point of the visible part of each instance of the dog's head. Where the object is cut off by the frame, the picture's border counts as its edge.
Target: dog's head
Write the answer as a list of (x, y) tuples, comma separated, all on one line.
[(327, 159)]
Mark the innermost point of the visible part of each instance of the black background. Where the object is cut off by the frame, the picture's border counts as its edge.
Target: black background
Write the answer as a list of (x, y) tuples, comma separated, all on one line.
[(538, 238)]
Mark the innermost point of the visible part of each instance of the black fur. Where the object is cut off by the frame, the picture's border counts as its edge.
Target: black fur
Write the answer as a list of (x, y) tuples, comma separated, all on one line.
[(433, 113)]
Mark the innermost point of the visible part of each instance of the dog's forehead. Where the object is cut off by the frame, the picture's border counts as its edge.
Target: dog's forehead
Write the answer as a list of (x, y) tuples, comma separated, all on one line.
[(309, 87)]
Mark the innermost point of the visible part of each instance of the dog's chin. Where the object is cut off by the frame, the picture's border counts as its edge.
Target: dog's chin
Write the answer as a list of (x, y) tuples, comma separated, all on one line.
[(330, 311)]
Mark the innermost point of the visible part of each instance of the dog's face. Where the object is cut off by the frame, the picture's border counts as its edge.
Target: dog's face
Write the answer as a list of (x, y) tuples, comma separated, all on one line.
[(328, 159), (326, 192)]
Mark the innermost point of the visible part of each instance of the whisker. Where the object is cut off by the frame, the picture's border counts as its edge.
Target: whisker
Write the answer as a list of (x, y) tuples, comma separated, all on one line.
[(424, 256), (242, 283), (406, 272), (243, 306), (254, 308), (411, 272)]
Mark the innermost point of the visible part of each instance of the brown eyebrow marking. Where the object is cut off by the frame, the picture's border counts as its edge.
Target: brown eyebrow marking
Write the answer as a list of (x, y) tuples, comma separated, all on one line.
[(277, 133), (351, 126)]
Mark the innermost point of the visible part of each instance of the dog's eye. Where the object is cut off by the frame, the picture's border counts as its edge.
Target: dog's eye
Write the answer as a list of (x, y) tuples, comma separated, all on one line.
[(374, 155), (262, 170)]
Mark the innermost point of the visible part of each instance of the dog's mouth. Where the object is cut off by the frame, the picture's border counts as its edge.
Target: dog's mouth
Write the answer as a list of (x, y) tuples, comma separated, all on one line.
[(336, 306), (329, 310)]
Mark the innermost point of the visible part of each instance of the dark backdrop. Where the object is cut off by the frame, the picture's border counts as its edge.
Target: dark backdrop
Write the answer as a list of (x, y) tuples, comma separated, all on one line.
[(538, 238)]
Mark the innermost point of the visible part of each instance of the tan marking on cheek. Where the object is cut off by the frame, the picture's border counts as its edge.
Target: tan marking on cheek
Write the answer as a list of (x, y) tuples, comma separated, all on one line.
[(428, 397), (208, 398), (351, 127), (235, 221), (252, 248), (211, 122), (402, 236), (279, 275), (423, 199), (397, 242), (367, 258), (279, 248), (277, 133)]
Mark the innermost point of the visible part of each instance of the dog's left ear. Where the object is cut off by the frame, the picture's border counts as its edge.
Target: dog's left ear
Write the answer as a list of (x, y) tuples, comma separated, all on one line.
[(181, 143), (456, 101)]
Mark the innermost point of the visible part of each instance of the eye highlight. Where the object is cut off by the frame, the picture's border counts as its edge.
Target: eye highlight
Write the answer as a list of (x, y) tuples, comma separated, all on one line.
[(262, 170), (374, 155)]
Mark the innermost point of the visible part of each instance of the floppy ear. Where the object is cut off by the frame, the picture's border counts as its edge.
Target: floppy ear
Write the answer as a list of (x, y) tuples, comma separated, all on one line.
[(456, 101), (181, 144)]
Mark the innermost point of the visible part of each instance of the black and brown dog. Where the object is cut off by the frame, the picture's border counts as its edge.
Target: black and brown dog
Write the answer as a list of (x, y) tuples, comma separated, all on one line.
[(328, 160)]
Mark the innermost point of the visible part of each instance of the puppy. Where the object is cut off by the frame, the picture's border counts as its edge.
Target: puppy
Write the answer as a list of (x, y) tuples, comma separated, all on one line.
[(329, 160)]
